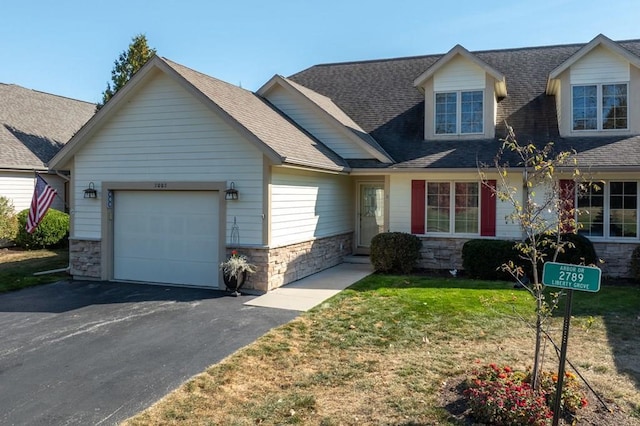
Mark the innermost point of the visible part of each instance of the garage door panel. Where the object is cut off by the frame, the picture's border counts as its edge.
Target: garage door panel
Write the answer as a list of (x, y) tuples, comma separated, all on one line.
[(166, 237), (166, 272)]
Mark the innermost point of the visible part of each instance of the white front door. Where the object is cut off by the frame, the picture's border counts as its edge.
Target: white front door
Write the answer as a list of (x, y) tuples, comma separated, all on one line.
[(166, 237), (370, 212)]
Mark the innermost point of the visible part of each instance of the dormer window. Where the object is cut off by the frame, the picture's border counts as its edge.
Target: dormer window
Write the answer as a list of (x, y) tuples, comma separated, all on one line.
[(594, 90), (599, 106), (461, 97), (459, 112)]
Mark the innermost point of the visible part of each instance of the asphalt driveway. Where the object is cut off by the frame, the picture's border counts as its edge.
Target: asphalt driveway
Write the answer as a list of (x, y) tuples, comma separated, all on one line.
[(95, 353)]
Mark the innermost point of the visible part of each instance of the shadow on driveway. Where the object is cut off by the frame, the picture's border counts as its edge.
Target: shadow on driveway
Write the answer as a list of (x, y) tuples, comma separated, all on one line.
[(96, 352)]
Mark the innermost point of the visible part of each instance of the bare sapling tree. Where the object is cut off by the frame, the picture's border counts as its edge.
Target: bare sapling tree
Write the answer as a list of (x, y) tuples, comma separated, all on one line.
[(544, 210)]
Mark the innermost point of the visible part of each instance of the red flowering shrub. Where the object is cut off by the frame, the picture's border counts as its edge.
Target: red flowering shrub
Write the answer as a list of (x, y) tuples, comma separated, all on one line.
[(501, 396), (573, 397)]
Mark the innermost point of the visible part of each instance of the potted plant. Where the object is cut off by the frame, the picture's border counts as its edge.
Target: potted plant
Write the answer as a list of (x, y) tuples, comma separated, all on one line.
[(235, 270)]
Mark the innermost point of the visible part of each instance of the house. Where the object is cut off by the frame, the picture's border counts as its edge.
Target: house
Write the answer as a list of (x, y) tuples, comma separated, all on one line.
[(33, 127), (327, 158)]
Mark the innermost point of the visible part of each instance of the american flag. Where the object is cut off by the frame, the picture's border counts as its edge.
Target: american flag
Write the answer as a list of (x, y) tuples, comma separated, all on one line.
[(43, 196)]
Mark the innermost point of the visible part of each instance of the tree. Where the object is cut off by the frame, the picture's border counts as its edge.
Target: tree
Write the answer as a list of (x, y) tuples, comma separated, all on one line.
[(8, 220), (127, 64), (543, 218)]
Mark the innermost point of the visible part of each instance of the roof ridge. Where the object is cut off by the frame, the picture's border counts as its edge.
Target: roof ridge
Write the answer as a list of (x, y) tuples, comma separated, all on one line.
[(435, 55), (47, 93), (226, 83)]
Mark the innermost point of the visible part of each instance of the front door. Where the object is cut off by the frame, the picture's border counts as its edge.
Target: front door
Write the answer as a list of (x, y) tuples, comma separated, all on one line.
[(370, 212)]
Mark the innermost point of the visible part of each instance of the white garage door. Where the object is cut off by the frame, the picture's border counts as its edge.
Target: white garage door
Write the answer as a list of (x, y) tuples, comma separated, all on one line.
[(166, 237)]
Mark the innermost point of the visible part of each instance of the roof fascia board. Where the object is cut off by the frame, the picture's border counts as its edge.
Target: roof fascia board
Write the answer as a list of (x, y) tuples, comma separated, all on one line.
[(284, 83), (300, 165), (599, 40), (404, 170), (19, 169), (501, 85)]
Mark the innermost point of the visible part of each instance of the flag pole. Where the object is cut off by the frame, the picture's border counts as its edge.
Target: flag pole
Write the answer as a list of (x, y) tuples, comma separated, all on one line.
[(64, 203)]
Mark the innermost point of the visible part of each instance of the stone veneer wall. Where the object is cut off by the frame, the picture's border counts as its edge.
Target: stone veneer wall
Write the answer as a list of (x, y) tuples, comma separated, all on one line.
[(85, 258), (441, 253), (617, 259), (282, 265), (446, 253), (278, 266)]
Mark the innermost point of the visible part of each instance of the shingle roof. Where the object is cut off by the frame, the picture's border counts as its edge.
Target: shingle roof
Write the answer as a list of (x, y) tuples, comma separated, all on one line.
[(266, 122), (379, 95), (332, 109), (35, 125)]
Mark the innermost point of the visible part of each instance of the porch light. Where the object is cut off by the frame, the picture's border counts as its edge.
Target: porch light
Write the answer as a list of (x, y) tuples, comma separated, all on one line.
[(231, 193), (90, 192)]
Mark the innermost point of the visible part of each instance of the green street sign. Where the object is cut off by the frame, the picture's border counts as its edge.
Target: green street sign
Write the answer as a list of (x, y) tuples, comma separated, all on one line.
[(573, 277)]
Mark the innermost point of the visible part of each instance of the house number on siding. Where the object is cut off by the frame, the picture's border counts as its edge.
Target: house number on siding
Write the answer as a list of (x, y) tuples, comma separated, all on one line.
[(159, 185)]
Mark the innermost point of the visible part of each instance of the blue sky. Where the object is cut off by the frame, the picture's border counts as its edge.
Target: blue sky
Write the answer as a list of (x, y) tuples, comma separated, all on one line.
[(68, 47)]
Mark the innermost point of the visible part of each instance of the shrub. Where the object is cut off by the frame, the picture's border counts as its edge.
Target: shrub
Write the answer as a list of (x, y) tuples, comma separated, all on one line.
[(483, 258), (395, 252), (635, 264), (8, 220), (52, 230), (502, 396), (578, 251), (572, 398)]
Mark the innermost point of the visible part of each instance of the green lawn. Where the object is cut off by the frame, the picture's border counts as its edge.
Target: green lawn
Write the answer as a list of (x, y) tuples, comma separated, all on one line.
[(17, 267), (385, 350)]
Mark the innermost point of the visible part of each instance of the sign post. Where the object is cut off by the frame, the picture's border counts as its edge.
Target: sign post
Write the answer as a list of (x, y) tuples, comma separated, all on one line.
[(570, 277)]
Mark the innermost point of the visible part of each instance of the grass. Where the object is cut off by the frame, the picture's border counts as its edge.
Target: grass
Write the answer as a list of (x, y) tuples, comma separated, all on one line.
[(17, 267), (383, 351)]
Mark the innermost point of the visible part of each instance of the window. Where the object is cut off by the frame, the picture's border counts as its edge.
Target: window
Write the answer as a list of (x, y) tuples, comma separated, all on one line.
[(459, 112), (591, 212), (623, 208), (452, 205), (600, 107), (438, 207), (609, 210)]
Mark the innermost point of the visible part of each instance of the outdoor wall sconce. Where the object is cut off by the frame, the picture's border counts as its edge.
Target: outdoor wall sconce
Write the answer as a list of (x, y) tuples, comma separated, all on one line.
[(90, 192), (231, 193)]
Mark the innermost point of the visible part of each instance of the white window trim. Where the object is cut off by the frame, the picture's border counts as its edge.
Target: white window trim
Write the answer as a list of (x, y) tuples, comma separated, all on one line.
[(606, 206), (459, 112), (452, 207), (599, 107)]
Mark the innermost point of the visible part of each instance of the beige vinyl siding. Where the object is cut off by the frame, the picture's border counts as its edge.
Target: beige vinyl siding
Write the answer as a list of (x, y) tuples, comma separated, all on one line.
[(459, 74), (560, 112), (504, 227), (400, 201), (164, 134), (18, 187), (318, 126), (308, 205), (599, 66)]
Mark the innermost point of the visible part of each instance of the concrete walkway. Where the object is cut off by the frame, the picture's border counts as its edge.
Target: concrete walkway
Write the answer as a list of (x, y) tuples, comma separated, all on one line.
[(308, 292)]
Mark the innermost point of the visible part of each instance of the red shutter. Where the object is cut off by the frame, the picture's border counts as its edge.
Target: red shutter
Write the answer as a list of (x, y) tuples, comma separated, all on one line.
[(488, 209), (417, 206), (567, 200)]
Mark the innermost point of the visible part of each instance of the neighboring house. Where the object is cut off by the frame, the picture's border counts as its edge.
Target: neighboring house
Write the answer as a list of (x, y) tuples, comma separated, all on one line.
[(331, 156), (33, 127)]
